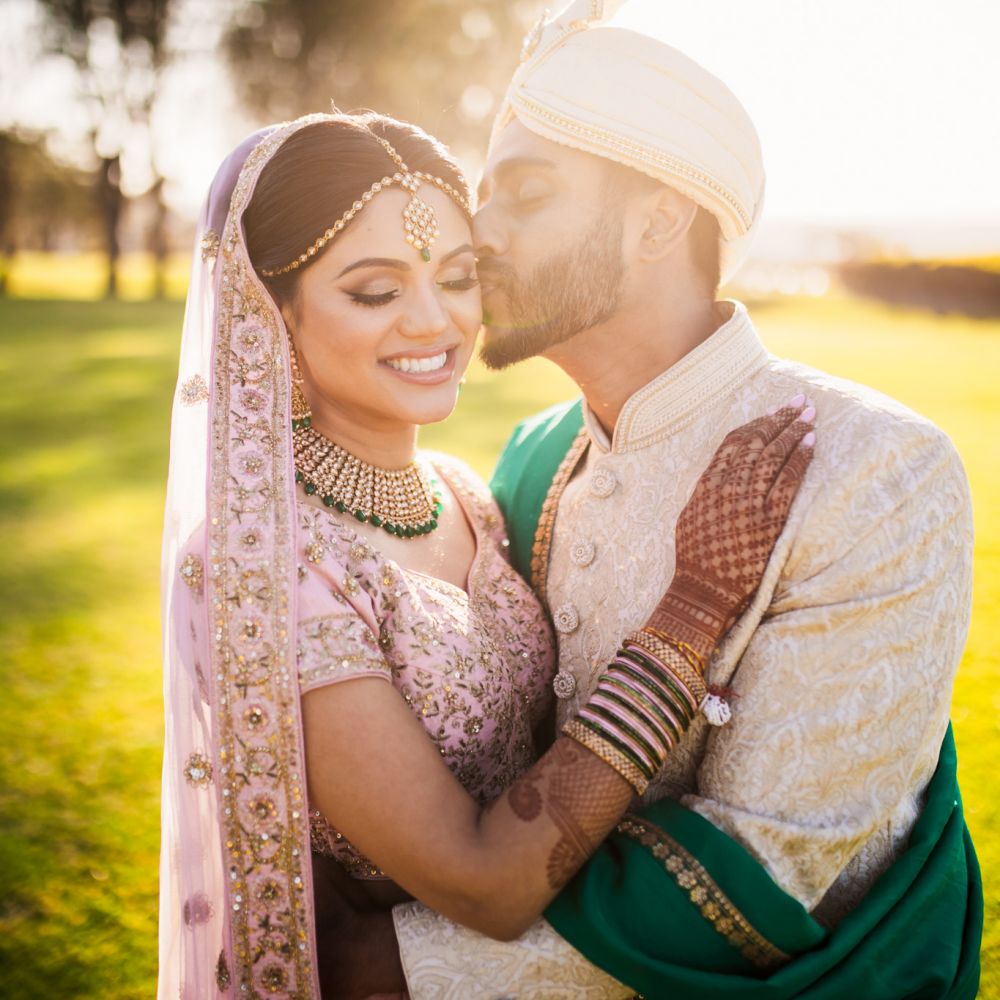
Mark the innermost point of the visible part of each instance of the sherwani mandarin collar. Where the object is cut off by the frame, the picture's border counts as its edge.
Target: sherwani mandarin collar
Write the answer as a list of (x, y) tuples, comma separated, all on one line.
[(679, 395)]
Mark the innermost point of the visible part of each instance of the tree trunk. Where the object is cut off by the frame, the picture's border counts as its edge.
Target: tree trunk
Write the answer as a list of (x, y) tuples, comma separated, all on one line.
[(110, 197)]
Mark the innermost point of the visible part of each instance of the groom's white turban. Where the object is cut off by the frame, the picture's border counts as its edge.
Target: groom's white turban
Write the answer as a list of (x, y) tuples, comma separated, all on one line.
[(632, 99)]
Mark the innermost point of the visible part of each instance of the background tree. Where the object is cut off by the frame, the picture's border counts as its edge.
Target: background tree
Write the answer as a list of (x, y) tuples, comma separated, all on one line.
[(442, 64), (119, 50), (42, 200)]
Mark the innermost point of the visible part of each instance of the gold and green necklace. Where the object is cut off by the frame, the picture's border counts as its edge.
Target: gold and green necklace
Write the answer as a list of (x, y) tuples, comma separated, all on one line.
[(404, 502)]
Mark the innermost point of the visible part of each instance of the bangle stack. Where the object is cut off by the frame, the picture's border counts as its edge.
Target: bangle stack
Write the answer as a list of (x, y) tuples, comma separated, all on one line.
[(644, 703)]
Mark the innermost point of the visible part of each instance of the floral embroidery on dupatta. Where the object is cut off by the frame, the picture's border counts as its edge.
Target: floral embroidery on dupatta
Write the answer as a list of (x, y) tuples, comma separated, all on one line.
[(249, 587)]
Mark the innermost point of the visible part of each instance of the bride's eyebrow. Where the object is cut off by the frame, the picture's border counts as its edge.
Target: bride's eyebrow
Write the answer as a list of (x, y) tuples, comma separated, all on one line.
[(398, 265), (464, 248)]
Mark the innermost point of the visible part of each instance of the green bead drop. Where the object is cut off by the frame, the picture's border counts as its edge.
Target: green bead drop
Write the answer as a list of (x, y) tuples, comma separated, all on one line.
[(310, 488), (376, 520), (328, 500), (361, 516)]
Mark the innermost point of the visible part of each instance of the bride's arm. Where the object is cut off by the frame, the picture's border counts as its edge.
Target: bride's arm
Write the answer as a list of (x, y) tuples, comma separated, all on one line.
[(376, 776)]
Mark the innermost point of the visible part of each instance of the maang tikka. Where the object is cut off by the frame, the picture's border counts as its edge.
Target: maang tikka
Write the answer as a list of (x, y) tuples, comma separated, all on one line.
[(419, 219)]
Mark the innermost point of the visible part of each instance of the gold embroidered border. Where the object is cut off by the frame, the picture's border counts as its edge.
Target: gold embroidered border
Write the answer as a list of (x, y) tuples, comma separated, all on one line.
[(541, 547), (713, 904), (266, 890), (634, 151)]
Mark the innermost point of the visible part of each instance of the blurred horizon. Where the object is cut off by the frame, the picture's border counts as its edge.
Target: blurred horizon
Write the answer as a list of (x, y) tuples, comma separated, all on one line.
[(870, 116)]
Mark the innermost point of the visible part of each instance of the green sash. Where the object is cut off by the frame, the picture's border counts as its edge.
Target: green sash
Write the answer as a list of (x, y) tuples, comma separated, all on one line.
[(676, 909), (525, 470)]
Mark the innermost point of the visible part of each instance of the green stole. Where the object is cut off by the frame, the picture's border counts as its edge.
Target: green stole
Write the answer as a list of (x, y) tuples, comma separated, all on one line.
[(676, 909)]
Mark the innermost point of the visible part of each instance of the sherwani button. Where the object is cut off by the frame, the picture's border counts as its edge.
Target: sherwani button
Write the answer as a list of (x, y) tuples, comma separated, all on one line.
[(603, 483), (582, 553), (564, 685), (566, 618)]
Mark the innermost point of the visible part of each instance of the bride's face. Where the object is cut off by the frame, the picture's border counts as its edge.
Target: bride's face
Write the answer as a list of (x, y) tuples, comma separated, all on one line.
[(384, 337)]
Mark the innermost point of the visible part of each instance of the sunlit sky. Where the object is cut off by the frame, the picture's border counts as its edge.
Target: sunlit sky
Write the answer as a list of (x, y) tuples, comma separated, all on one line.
[(877, 111), (871, 112)]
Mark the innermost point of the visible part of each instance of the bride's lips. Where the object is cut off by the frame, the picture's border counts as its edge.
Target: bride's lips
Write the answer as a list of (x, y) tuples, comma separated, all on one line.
[(439, 360)]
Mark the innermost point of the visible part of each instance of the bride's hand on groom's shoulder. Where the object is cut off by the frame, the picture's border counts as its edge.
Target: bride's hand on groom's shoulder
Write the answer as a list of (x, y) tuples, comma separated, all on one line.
[(728, 529)]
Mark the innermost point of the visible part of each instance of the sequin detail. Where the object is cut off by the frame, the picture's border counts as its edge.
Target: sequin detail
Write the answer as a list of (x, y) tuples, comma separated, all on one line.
[(198, 771), (209, 245), (192, 572), (193, 390), (222, 978)]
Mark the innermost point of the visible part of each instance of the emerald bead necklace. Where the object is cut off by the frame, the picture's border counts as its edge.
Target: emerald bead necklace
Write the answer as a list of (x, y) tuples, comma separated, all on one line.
[(404, 502)]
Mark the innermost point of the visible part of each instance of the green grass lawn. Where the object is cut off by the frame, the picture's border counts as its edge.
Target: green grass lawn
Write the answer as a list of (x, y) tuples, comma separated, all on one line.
[(82, 466)]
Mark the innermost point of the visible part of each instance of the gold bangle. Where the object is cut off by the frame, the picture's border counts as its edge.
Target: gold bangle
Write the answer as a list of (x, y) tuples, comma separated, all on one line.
[(688, 651), (611, 756), (676, 659)]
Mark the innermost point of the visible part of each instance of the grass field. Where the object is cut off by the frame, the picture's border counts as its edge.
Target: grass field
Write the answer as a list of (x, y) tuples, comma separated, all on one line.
[(83, 420)]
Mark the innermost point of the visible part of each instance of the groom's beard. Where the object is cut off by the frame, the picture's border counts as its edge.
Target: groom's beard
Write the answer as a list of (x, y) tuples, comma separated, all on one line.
[(571, 291)]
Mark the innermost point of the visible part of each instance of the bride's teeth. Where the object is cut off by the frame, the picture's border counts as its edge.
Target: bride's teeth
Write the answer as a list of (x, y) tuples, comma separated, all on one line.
[(419, 364)]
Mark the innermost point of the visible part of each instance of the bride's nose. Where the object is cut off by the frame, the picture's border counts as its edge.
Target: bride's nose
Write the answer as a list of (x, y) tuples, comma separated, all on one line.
[(425, 315)]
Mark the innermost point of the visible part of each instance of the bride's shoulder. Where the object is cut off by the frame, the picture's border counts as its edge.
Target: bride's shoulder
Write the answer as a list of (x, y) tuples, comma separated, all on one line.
[(469, 484)]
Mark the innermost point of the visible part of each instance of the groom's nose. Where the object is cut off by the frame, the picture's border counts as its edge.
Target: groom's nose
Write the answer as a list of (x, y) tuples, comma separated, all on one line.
[(488, 235)]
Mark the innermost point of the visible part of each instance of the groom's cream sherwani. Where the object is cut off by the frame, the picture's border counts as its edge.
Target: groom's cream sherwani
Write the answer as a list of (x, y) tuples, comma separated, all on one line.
[(842, 668)]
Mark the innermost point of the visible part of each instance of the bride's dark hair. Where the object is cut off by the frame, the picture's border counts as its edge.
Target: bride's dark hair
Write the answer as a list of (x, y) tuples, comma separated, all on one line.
[(318, 174)]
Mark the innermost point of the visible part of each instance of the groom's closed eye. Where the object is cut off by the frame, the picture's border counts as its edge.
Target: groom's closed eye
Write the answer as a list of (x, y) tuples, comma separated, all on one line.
[(509, 174)]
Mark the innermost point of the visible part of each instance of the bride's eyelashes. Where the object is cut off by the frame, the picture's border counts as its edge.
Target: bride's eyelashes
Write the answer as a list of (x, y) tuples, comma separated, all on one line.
[(460, 284), (375, 299)]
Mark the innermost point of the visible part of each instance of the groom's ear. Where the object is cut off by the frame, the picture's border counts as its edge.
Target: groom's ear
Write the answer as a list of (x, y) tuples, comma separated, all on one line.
[(666, 218)]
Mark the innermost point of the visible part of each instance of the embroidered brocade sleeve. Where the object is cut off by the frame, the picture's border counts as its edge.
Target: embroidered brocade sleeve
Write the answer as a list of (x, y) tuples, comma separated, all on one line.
[(336, 647), (338, 626), (445, 961), (842, 693)]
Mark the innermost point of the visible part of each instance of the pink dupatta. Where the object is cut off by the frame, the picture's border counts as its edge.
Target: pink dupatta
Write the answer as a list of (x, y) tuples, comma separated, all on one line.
[(236, 914)]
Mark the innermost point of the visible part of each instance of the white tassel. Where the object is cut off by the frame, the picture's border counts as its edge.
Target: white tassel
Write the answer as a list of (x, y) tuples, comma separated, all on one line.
[(716, 710)]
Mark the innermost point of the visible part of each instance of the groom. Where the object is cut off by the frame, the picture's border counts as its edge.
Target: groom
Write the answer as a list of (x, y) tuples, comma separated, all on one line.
[(813, 843)]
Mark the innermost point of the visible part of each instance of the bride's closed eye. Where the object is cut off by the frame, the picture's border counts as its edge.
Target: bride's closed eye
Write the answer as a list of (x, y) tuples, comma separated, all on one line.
[(460, 284), (373, 299)]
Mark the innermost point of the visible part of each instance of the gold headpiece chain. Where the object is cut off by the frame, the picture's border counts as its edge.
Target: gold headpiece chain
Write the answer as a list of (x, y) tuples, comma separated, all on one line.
[(419, 219)]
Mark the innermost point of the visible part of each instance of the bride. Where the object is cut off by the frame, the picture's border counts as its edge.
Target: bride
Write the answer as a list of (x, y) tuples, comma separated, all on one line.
[(352, 668)]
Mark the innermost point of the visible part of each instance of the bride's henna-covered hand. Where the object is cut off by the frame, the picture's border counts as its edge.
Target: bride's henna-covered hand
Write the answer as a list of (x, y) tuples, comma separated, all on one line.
[(727, 531)]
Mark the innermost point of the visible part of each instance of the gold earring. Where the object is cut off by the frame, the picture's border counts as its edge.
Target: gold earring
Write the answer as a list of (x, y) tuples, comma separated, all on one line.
[(301, 414)]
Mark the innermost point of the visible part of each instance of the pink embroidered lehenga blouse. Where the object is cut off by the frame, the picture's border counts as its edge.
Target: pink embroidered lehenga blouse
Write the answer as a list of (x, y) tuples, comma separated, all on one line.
[(475, 666)]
